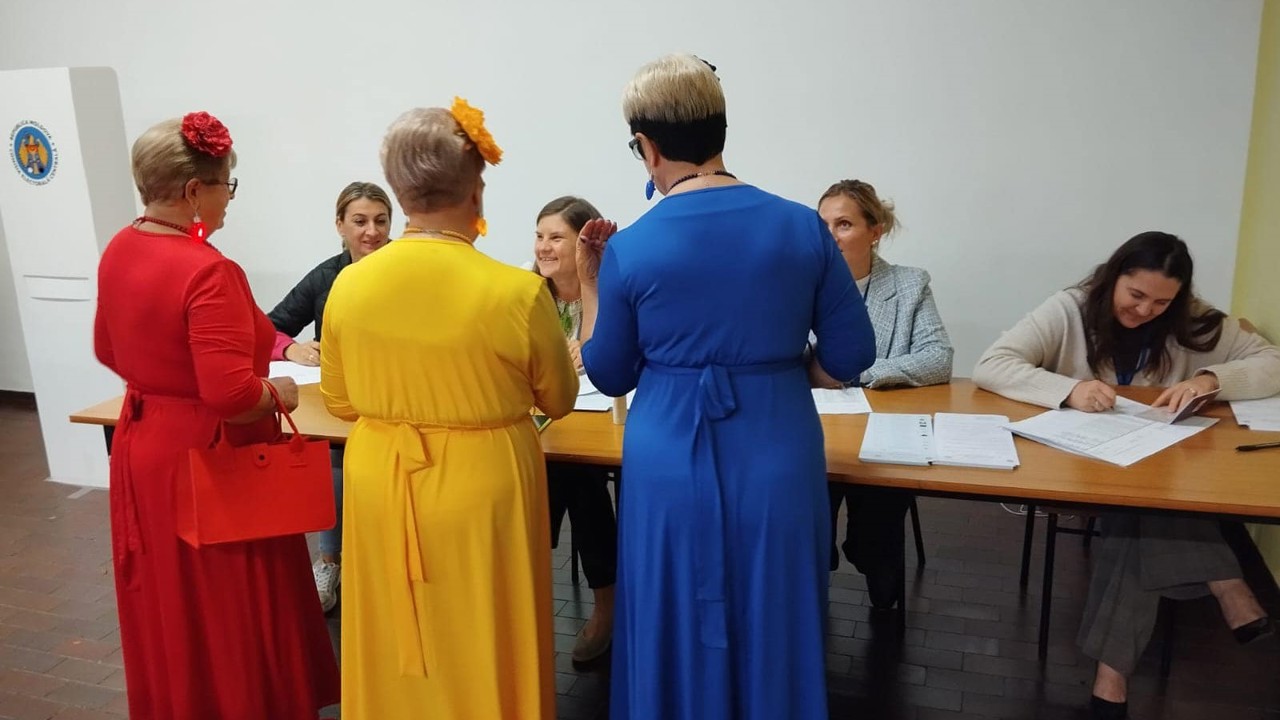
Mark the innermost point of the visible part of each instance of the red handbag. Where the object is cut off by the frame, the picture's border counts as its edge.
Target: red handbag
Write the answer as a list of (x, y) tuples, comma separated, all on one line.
[(251, 492)]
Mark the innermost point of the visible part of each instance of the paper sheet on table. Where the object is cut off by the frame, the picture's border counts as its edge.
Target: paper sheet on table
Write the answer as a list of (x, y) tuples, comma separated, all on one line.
[(1261, 414), (847, 401), (1119, 437), (980, 441), (591, 399), (301, 374)]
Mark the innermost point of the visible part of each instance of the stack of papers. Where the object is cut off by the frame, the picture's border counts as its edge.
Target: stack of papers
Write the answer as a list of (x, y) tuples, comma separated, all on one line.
[(848, 401), (1261, 414), (980, 441), (957, 439), (1120, 436), (898, 438)]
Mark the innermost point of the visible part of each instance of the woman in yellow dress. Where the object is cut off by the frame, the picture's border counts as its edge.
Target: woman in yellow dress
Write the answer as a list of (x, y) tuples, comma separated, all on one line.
[(437, 352)]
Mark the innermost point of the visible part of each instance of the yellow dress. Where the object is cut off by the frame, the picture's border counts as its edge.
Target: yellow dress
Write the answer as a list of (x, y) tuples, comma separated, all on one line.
[(438, 352)]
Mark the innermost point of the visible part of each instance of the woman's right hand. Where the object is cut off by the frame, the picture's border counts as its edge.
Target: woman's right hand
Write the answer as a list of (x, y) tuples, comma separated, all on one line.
[(591, 242), (1092, 396), (304, 353), (575, 354), (288, 391)]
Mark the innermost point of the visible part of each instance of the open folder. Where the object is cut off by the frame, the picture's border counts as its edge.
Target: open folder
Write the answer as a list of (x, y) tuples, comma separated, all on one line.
[(1121, 436), (957, 439)]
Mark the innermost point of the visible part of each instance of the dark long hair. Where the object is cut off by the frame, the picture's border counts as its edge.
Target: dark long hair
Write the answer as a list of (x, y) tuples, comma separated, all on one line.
[(1192, 324), (576, 213)]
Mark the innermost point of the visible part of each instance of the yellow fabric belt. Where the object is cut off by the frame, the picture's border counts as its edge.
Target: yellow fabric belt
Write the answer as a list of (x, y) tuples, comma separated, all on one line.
[(404, 554)]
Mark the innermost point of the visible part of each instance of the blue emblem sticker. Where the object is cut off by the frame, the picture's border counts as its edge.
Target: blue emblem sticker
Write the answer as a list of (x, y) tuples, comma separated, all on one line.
[(34, 155)]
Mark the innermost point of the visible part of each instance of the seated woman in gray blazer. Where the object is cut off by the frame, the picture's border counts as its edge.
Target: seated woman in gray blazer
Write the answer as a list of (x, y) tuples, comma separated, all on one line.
[(912, 349), (1137, 321)]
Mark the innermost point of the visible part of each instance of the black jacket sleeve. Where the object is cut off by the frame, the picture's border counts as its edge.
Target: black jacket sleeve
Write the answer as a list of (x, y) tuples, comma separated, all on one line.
[(297, 309)]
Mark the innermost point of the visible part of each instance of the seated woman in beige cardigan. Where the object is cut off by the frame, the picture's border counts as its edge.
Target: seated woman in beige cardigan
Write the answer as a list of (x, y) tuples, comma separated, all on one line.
[(1137, 321)]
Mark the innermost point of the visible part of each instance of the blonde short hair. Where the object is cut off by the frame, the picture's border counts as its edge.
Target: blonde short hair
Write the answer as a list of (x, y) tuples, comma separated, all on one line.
[(428, 160), (163, 163), (677, 88), (676, 101)]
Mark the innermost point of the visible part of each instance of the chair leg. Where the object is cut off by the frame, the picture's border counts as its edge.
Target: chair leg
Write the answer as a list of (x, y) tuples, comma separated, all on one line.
[(1046, 592), (915, 528), (901, 624), (1088, 532), (1168, 611), (573, 556), (1027, 535)]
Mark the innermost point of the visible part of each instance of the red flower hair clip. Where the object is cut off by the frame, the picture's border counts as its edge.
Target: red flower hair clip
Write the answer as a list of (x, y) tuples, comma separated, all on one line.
[(206, 134)]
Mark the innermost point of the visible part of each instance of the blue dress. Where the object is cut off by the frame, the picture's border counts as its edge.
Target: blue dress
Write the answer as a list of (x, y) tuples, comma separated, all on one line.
[(705, 306)]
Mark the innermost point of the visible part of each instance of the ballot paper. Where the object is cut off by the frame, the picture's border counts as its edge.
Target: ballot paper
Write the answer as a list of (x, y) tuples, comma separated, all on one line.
[(898, 438), (301, 374), (1120, 436), (980, 441), (590, 399), (1261, 414), (846, 401)]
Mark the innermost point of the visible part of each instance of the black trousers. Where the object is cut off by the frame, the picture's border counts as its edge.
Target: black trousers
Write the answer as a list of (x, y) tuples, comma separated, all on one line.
[(583, 492), (874, 539)]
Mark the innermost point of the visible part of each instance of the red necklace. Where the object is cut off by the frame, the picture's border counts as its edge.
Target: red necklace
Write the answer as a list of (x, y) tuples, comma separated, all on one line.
[(163, 223)]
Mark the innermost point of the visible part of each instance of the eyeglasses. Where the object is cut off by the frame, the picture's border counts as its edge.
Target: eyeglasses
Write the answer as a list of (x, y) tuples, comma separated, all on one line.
[(636, 150), (231, 184)]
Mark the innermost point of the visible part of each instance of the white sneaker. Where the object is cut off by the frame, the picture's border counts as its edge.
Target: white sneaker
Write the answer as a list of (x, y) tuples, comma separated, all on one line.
[(327, 575)]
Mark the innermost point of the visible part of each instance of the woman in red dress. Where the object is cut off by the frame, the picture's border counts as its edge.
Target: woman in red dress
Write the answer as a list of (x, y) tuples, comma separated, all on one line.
[(223, 631)]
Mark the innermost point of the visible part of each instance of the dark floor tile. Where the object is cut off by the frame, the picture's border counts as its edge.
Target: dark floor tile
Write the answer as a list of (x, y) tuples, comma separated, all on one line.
[(966, 681), (999, 707), (932, 697), (962, 643), (1003, 667), (932, 657)]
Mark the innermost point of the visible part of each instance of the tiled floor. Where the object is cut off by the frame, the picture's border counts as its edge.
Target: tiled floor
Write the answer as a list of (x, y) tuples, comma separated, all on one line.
[(969, 650)]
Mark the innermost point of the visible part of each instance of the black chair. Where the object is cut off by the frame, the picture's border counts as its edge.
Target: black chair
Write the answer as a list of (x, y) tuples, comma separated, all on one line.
[(902, 585), (1053, 529), (616, 475), (915, 529)]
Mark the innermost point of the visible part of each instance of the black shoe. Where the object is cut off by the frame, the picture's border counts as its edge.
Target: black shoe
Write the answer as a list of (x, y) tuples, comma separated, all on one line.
[(1100, 709), (883, 591), (1256, 630)]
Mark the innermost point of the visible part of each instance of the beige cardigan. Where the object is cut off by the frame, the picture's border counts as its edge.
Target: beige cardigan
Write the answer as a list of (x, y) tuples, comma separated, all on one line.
[(1044, 356)]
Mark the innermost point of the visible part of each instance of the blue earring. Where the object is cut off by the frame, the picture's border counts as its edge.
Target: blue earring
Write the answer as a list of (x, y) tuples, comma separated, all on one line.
[(648, 189)]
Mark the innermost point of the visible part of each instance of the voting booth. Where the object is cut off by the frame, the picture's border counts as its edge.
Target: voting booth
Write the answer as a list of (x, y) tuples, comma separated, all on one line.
[(65, 190)]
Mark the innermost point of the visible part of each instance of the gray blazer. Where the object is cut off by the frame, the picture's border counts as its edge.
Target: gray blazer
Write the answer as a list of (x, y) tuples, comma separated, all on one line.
[(912, 347)]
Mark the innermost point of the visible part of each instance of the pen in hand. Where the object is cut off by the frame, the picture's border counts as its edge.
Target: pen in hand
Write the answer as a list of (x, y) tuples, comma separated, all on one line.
[(1259, 446)]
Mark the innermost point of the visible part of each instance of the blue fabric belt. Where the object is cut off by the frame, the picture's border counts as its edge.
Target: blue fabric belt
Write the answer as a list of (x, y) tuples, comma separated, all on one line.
[(715, 401)]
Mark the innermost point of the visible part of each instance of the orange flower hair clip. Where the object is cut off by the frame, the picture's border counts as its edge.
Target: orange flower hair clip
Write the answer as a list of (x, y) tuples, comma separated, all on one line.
[(471, 120)]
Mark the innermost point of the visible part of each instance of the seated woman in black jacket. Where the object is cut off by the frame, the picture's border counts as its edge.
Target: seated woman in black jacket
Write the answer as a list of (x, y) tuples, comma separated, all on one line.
[(364, 224)]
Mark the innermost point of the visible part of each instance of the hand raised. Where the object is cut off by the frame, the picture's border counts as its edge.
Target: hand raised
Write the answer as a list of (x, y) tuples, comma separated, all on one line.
[(591, 242)]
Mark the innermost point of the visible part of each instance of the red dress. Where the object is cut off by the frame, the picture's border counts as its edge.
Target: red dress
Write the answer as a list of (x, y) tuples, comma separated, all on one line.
[(226, 631)]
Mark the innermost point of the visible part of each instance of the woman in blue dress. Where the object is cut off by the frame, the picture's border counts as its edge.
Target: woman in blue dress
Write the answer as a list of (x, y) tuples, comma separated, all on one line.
[(703, 306)]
